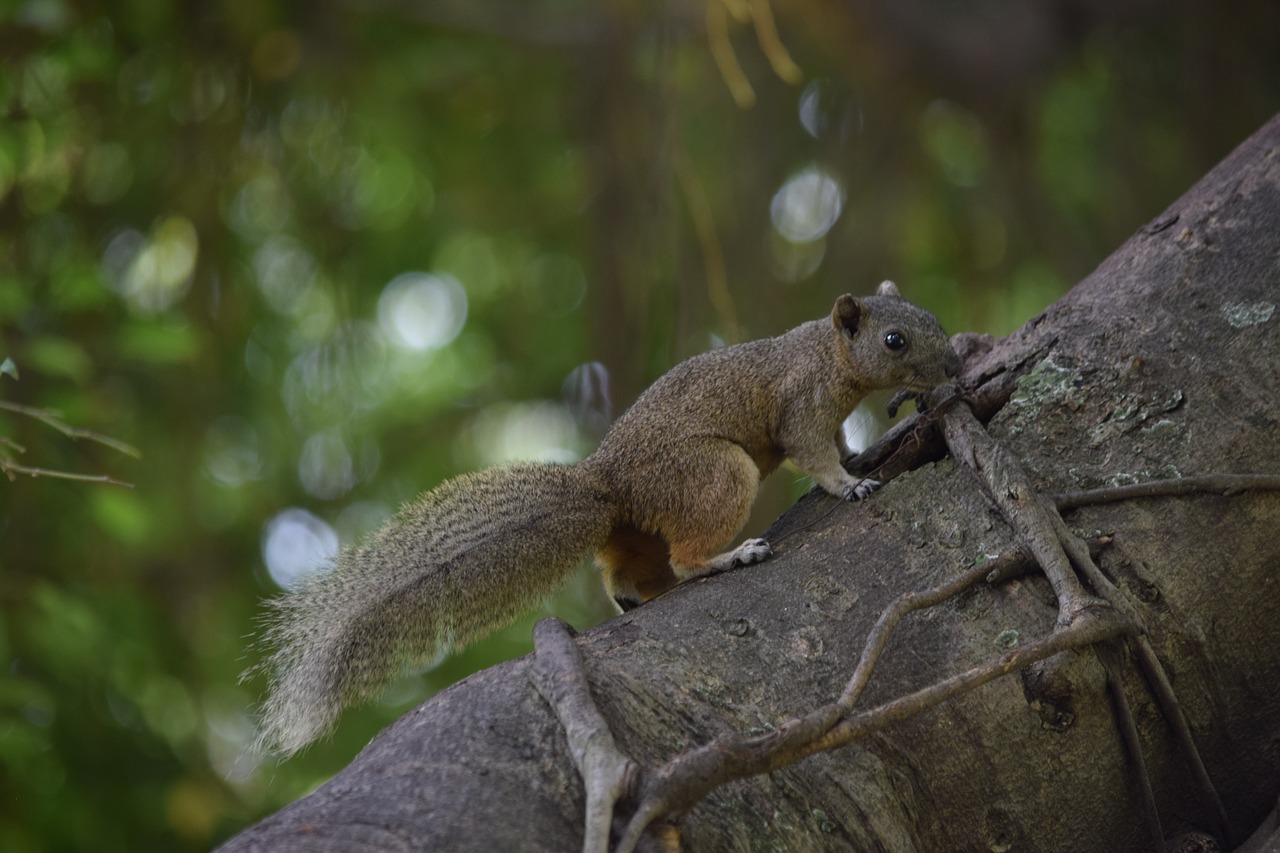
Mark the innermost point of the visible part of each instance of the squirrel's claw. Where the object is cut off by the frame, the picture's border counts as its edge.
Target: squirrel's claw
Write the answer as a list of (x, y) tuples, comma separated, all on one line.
[(861, 490), (752, 551)]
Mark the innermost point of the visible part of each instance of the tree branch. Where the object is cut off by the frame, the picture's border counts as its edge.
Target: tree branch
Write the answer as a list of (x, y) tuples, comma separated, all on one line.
[(1223, 484), (691, 776), (1133, 744), (607, 774), (1020, 503), (54, 420), (12, 470)]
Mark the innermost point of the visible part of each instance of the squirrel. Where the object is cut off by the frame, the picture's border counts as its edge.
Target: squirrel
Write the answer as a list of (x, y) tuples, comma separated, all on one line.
[(670, 485)]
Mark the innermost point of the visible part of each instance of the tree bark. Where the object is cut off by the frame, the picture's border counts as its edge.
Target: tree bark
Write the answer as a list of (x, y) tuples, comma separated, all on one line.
[(1165, 362)]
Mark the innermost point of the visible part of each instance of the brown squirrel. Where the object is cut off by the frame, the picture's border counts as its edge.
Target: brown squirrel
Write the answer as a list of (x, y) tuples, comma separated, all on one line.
[(670, 485)]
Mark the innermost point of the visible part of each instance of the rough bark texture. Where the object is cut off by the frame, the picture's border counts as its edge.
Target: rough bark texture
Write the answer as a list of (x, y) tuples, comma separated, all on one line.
[(1164, 362)]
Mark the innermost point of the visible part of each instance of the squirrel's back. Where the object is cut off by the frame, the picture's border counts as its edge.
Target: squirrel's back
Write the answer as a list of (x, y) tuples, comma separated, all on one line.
[(731, 393)]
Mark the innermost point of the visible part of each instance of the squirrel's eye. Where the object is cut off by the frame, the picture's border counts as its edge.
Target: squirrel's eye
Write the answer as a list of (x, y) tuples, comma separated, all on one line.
[(895, 340)]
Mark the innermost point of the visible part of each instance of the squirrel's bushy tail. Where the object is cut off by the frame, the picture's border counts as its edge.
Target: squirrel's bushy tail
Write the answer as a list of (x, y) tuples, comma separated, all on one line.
[(464, 559)]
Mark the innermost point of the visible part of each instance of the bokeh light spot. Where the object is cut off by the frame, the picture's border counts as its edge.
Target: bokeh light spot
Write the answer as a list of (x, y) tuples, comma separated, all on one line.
[(286, 274), (233, 455), (295, 544), (807, 205), (512, 432), (154, 272), (326, 468), (422, 311)]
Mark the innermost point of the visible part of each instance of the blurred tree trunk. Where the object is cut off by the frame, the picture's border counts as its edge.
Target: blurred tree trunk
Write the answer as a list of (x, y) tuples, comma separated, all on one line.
[(1164, 362)]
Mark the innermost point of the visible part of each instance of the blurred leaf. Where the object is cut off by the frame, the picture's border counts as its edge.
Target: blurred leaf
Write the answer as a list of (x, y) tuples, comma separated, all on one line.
[(13, 296), (159, 342), (122, 514), (67, 632), (8, 368), (55, 356)]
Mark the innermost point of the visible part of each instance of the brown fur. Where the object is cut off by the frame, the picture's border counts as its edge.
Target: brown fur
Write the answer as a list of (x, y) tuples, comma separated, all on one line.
[(671, 484)]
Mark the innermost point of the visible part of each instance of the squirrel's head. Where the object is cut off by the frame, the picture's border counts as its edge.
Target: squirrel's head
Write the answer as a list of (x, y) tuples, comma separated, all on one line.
[(891, 343)]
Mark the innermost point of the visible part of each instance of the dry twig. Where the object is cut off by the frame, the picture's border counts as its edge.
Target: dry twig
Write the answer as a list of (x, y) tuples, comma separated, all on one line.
[(690, 776), (1222, 484), (607, 774), (54, 420), (13, 470), (1022, 506), (1153, 671), (1129, 734)]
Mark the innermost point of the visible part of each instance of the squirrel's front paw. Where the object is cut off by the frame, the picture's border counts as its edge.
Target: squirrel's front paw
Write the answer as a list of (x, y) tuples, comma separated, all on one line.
[(752, 551), (860, 490)]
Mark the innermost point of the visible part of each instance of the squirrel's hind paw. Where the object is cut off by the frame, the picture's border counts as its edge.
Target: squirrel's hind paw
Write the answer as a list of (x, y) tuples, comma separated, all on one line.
[(752, 551)]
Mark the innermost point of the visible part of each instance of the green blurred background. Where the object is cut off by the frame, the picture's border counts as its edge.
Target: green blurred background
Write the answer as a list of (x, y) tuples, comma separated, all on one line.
[(310, 259)]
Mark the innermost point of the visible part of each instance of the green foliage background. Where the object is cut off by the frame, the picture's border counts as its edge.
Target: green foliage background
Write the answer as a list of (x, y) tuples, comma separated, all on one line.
[(201, 206)]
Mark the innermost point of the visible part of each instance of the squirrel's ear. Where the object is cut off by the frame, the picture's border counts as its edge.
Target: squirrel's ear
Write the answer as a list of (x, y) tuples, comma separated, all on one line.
[(846, 314), (888, 288)]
